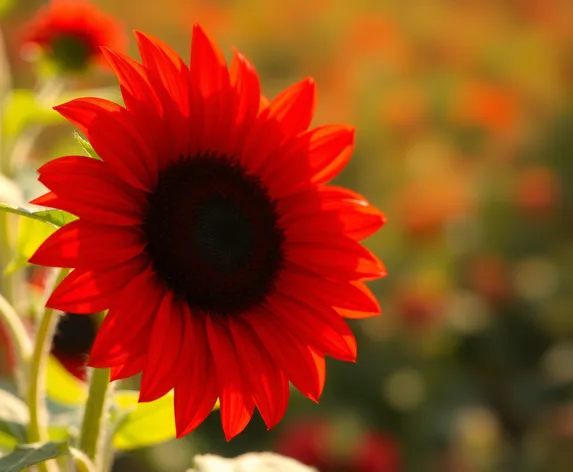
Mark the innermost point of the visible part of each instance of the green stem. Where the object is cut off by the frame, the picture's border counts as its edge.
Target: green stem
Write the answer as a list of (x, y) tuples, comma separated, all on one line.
[(5, 87), (38, 427), (83, 463), (92, 437), (19, 338), (6, 285)]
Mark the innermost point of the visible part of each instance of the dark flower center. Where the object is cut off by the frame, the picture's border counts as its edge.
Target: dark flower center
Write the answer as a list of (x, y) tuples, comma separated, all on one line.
[(213, 234), (75, 335), (70, 52)]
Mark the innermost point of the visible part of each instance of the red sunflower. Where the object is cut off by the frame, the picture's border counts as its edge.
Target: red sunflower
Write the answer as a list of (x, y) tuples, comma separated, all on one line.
[(207, 230), (71, 32), (74, 338)]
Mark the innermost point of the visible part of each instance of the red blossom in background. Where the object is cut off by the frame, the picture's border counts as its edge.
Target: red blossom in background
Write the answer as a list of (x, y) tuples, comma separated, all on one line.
[(313, 443), (71, 33), (73, 340), (537, 191), (7, 358)]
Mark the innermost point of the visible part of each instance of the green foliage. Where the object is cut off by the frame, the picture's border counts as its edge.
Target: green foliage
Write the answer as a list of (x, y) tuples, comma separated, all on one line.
[(86, 146), (27, 455), (13, 416), (143, 424), (56, 218), (63, 387), (23, 109), (31, 233), (7, 442)]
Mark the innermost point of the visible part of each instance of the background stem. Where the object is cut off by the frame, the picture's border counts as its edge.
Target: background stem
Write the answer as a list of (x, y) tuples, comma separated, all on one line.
[(38, 427), (20, 341), (93, 432)]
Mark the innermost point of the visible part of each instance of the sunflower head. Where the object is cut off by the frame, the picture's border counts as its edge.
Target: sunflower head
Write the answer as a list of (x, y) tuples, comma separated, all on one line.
[(208, 231), (73, 340), (71, 32)]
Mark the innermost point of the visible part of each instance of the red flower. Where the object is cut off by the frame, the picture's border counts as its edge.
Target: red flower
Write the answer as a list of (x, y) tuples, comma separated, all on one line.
[(7, 358), (72, 31), (376, 452), (537, 191), (308, 442), (317, 443), (74, 338), (208, 231)]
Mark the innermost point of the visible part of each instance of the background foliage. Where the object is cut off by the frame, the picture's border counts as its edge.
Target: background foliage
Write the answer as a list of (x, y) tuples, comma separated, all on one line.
[(465, 138)]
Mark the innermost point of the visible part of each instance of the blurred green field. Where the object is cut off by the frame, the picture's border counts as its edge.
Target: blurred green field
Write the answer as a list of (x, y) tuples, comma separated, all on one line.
[(464, 117)]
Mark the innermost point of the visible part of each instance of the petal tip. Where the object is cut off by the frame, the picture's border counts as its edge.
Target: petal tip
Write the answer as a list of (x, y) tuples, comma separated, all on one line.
[(197, 28)]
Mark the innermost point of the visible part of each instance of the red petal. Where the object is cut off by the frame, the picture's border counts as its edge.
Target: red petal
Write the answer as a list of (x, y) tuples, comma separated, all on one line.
[(317, 323), (321, 211), (341, 260), (49, 199), (292, 356), (247, 90), (128, 323), (317, 155), (320, 365), (193, 404), (141, 100), (288, 114), (349, 295), (169, 77), (89, 291), (210, 76), (82, 111), (269, 384), (74, 364), (86, 245), (132, 366), (86, 188), (354, 222), (236, 401), (164, 350), (117, 138), (135, 86), (165, 68), (330, 152), (265, 102), (262, 140), (355, 314), (294, 107)]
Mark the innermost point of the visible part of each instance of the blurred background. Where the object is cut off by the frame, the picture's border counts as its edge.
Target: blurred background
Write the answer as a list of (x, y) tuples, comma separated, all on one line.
[(464, 112)]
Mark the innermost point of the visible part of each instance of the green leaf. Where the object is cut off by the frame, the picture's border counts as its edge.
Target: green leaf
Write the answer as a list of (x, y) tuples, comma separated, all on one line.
[(13, 416), (7, 442), (56, 218), (22, 109), (62, 387), (31, 233), (59, 433), (86, 146), (28, 455), (143, 424)]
